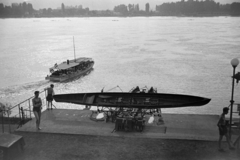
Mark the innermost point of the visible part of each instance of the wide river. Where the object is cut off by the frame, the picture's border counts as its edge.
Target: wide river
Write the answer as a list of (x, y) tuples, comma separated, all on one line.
[(176, 55)]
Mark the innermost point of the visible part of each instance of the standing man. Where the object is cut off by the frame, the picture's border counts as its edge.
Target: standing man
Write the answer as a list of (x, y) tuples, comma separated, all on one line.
[(223, 130), (50, 93)]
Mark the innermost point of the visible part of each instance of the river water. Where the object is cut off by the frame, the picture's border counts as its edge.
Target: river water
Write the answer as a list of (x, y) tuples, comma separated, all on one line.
[(176, 55)]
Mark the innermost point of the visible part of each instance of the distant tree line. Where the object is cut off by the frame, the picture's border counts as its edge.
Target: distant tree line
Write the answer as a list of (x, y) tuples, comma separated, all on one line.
[(64, 11), (235, 9), (195, 8), (180, 8), (130, 10), (16, 10)]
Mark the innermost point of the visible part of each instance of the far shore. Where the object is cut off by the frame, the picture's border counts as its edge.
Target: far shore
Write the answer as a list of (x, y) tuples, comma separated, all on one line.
[(129, 16)]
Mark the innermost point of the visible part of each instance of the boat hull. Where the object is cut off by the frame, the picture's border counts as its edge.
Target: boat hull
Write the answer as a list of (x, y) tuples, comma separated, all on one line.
[(70, 76), (132, 100)]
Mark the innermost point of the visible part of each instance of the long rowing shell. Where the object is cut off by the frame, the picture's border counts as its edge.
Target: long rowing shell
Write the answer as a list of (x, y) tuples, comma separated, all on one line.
[(132, 100)]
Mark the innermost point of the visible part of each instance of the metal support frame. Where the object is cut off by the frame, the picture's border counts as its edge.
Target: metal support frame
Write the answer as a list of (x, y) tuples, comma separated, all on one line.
[(232, 102)]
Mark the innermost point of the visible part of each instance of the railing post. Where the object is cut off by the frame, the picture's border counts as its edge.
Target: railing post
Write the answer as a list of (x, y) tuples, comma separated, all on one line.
[(30, 109), (19, 112), (2, 121), (9, 127), (46, 99), (23, 115)]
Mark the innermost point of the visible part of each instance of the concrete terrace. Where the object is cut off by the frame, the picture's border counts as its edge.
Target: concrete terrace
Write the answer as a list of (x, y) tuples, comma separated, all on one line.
[(176, 126)]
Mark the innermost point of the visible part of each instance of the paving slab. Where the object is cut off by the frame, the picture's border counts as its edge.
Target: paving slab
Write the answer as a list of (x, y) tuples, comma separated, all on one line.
[(176, 126)]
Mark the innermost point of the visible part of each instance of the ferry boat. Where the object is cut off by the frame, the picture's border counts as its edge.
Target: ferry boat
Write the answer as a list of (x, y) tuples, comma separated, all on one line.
[(70, 69)]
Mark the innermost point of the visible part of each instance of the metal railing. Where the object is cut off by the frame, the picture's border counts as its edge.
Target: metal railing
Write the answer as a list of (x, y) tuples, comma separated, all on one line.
[(16, 116)]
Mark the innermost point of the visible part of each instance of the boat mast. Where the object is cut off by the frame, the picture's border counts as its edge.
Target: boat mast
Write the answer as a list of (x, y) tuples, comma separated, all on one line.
[(74, 50)]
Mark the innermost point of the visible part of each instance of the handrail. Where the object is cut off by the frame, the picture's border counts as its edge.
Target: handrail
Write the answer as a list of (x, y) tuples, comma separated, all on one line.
[(22, 112), (24, 101)]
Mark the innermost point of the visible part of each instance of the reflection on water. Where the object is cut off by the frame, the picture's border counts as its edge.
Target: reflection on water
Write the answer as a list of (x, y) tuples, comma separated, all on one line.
[(175, 55)]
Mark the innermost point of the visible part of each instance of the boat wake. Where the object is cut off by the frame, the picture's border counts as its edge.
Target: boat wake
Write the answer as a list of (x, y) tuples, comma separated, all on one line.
[(23, 88)]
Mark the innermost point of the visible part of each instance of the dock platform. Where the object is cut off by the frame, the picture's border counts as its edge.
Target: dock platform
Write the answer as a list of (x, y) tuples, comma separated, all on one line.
[(176, 126)]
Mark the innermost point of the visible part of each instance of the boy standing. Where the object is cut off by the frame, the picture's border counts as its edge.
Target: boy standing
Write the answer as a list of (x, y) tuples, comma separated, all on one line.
[(50, 93), (223, 130)]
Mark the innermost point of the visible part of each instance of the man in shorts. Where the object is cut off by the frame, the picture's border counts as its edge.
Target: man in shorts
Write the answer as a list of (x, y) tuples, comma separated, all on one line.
[(223, 130), (50, 93)]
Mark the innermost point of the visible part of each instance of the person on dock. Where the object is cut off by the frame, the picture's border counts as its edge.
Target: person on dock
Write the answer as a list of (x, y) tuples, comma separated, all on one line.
[(50, 93), (37, 107), (223, 130)]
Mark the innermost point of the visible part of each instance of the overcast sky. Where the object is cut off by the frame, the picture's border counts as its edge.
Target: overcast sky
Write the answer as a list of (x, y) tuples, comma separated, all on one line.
[(96, 4)]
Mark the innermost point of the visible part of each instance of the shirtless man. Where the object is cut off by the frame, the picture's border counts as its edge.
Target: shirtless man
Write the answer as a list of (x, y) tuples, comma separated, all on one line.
[(223, 130), (50, 93)]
